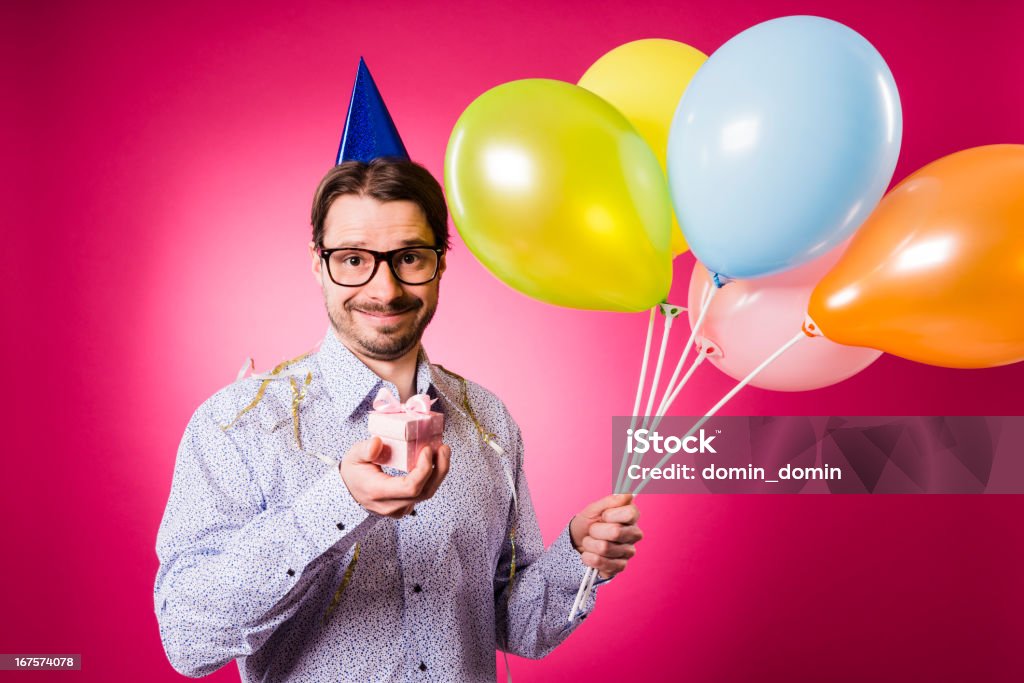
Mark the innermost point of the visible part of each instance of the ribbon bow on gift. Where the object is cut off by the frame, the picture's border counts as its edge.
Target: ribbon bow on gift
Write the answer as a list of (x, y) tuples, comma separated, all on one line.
[(387, 403)]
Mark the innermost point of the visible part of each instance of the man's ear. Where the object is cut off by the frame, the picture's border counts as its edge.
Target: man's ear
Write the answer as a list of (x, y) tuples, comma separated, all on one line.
[(316, 264), (442, 265)]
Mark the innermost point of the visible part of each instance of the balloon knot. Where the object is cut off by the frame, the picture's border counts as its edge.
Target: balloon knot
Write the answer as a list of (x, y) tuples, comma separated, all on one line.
[(810, 329)]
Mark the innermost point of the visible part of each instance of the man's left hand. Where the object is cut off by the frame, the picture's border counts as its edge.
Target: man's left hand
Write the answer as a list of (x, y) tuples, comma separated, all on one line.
[(605, 533)]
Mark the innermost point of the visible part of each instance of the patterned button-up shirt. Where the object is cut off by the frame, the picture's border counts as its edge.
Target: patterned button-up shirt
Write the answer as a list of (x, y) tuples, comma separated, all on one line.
[(266, 558)]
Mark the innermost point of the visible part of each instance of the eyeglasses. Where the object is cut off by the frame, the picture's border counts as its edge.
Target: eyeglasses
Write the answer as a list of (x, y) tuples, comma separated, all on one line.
[(351, 267)]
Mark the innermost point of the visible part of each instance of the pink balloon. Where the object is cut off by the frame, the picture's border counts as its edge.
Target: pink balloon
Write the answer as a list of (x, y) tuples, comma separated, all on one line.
[(750, 319)]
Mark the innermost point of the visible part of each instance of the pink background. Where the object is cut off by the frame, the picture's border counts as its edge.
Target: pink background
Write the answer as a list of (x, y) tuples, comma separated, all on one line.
[(164, 161)]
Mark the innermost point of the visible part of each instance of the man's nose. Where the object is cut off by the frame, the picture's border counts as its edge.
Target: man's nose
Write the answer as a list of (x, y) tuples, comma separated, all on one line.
[(383, 286)]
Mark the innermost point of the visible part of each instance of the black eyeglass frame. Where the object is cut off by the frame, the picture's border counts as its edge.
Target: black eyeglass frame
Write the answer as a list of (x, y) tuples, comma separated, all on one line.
[(378, 256)]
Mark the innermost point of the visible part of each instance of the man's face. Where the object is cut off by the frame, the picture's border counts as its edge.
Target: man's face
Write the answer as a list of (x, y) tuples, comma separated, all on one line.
[(383, 319)]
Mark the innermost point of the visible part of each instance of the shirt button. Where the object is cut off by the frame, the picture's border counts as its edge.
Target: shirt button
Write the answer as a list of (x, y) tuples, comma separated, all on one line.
[(341, 526), (422, 667), (417, 588), (413, 512), (291, 572)]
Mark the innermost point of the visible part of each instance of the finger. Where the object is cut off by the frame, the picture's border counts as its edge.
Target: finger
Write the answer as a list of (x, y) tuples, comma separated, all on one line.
[(411, 484), (367, 451), (418, 477), (627, 514), (400, 512), (390, 507), (615, 532), (595, 509), (608, 549), (441, 467), (605, 567)]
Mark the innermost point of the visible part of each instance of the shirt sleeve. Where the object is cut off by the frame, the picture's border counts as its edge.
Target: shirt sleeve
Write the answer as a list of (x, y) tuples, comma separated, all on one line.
[(232, 571), (532, 614)]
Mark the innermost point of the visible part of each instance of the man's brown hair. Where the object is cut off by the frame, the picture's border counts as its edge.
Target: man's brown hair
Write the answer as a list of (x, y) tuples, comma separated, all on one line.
[(386, 179)]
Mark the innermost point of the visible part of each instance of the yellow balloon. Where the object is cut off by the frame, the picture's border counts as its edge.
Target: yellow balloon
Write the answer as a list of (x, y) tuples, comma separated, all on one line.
[(645, 80), (556, 193)]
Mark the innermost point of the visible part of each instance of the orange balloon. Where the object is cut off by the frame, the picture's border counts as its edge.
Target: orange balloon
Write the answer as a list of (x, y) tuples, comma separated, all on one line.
[(936, 272)]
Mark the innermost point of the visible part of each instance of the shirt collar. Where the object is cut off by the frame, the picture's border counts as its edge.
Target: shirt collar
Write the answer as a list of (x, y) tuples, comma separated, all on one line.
[(353, 386)]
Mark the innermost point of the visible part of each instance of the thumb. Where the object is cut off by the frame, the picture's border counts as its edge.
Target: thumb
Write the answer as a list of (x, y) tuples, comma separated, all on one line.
[(367, 451), (613, 500)]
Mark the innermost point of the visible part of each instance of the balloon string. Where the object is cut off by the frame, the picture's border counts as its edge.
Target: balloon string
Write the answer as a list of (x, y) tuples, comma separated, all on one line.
[(587, 582), (686, 378), (583, 594), (637, 458), (725, 399), (590, 584), (579, 594), (669, 398), (657, 369), (669, 317), (686, 349), (639, 392)]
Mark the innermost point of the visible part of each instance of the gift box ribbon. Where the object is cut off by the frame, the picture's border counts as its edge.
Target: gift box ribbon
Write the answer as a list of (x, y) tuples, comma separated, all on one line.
[(387, 403)]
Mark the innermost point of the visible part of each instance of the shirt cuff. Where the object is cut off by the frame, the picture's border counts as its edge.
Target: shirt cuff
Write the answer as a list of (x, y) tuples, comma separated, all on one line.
[(326, 513)]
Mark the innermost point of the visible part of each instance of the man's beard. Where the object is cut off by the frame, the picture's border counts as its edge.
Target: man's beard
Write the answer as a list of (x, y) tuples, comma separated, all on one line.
[(386, 343)]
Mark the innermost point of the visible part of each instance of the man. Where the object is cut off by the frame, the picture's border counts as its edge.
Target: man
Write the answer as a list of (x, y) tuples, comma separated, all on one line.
[(286, 546)]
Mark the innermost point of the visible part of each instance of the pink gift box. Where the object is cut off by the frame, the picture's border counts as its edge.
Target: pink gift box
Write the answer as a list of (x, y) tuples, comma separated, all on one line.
[(405, 429)]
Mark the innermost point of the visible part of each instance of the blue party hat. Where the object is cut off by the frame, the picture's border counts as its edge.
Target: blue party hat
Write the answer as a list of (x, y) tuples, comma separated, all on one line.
[(369, 130)]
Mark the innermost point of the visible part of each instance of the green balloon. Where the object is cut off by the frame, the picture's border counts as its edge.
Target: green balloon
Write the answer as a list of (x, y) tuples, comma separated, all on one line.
[(556, 193)]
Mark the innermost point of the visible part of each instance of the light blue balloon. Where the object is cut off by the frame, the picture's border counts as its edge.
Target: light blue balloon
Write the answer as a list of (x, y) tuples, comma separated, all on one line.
[(783, 143)]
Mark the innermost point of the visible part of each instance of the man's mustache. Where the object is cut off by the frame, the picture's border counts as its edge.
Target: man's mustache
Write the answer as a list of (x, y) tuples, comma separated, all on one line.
[(393, 308)]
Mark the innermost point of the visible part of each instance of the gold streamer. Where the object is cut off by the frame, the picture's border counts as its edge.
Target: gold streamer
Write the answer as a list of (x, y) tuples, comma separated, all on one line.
[(344, 584), (486, 436), (512, 566), (263, 388), (297, 397)]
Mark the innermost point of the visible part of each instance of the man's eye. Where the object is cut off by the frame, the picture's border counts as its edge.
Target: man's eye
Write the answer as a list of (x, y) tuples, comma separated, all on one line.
[(353, 260), (410, 258)]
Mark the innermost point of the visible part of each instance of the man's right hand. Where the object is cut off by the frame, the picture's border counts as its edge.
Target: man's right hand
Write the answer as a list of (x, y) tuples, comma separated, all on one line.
[(390, 496)]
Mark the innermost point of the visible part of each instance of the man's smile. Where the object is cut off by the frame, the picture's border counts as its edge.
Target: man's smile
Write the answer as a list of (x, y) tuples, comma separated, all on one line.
[(386, 317)]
